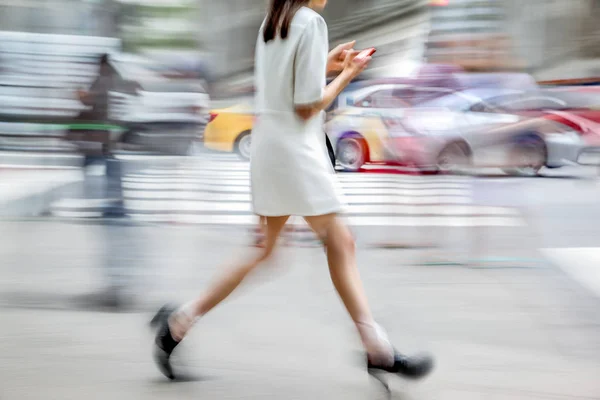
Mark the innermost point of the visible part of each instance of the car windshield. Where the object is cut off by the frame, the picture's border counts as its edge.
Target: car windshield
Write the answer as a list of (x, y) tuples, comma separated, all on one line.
[(573, 98), (507, 81)]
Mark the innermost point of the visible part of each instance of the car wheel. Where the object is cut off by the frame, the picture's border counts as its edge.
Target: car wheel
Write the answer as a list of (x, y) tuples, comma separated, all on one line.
[(529, 155), (351, 153), (243, 145), (455, 158)]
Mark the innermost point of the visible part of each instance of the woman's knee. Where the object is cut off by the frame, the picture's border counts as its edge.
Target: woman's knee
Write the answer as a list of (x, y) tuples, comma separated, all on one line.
[(265, 254), (340, 238), (260, 258)]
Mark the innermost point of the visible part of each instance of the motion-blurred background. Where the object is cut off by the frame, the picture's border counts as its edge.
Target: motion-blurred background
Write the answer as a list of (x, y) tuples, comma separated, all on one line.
[(468, 152)]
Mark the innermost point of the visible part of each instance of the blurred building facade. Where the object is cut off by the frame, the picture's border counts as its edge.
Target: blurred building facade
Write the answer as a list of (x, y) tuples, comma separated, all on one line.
[(229, 29), (546, 32), (478, 34), (165, 25), (512, 34), (69, 17), (470, 33)]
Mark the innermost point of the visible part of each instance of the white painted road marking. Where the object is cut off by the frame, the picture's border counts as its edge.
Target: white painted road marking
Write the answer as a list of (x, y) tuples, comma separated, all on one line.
[(581, 263), (218, 192)]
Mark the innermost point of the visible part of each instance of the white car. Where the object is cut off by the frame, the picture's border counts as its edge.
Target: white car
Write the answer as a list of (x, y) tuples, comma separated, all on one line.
[(360, 129), (518, 131), (442, 129)]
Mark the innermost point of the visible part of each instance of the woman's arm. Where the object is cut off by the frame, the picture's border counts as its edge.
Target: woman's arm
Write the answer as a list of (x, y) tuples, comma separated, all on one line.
[(353, 67), (331, 91), (310, 69)]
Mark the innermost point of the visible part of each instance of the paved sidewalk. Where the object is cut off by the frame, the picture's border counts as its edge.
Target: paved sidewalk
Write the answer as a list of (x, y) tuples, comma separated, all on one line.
[(527, 332)]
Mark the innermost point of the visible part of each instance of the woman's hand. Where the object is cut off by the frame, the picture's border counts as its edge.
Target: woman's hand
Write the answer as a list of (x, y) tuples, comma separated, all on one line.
[(337, 56), (353, 66)]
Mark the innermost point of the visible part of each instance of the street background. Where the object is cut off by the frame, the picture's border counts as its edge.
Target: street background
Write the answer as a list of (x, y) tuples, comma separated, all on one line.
[(496, 274)]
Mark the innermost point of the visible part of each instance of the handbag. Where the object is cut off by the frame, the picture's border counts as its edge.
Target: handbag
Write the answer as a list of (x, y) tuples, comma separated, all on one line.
[(330, 151)]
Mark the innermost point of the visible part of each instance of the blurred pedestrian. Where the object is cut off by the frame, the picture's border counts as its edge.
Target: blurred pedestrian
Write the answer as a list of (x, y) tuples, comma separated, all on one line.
[(96, 98), (95, 130), (291, 65)]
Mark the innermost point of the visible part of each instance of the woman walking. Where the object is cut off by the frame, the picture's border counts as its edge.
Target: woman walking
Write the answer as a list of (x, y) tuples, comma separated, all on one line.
[(291, 175)]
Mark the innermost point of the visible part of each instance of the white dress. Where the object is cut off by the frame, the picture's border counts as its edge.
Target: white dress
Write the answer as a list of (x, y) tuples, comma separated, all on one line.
[(291, 173)]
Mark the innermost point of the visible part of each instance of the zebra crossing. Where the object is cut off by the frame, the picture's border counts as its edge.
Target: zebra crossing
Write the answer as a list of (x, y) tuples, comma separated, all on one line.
[(214, 189)]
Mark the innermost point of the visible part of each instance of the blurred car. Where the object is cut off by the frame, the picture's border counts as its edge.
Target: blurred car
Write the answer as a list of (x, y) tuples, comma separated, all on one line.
[(432, 76), (520, 132), (579, 109), (229, 130), (360, 123), (440, 129), (162, 115), (359, 132)]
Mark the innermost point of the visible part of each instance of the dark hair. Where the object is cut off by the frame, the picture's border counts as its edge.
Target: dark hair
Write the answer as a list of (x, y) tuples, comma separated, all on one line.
[(280, 17)]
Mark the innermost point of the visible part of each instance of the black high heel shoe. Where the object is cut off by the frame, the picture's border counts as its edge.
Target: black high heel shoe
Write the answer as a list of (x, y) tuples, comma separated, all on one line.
[(413, 367), (164, 344)]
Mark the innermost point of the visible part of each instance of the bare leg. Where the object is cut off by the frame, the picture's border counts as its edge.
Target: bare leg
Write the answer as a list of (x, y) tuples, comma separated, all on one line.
[(261, 232), (172, 326), (227, 283), (341, 257)]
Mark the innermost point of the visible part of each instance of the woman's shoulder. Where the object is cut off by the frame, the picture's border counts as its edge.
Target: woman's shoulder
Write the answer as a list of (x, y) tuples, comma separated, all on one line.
[(305, 16)]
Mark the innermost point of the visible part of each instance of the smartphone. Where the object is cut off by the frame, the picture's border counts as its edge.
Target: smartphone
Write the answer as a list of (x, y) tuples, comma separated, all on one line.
[(366, 52)]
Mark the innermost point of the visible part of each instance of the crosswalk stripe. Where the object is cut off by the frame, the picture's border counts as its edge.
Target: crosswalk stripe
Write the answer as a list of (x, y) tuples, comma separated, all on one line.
[(224, 219), (184, 173), (233, 197), (207, 206), (241, 173), (76, 214), (237, 188), (381, 200), (239, 181), (153, 158), (186, 195)]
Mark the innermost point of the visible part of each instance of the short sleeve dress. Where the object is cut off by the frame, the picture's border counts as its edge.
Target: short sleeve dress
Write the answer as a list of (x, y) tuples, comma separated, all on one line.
[(290, 170)]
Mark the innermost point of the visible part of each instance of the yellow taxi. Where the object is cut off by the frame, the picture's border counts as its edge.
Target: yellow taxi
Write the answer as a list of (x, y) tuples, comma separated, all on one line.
[(229, 130)]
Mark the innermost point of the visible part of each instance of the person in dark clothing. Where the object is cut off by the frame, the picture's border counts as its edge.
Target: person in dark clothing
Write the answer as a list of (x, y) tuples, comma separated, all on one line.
[(98, 100), (94, 129), (97, 95), (92, 132)]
